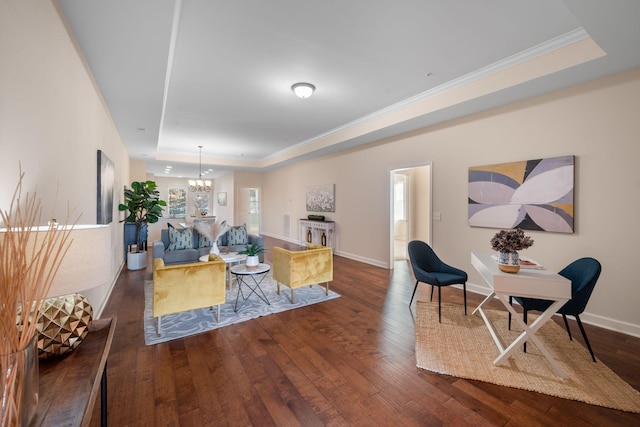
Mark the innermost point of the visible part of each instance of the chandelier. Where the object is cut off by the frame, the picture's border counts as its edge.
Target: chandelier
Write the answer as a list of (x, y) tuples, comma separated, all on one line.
[(200, 185)]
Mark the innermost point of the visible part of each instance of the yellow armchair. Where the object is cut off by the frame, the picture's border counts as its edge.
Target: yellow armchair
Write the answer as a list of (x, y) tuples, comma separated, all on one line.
[(184, 287), (301, 268)]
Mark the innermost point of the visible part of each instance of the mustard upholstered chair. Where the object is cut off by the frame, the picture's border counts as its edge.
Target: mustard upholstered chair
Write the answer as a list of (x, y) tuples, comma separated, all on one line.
[(184, 287), (303, 268)]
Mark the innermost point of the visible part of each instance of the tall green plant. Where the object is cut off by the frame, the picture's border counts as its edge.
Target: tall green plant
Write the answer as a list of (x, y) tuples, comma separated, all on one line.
[(144, 205)]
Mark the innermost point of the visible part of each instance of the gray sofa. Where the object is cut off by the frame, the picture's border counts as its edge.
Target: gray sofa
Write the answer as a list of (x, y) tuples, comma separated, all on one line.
[(186, 253)]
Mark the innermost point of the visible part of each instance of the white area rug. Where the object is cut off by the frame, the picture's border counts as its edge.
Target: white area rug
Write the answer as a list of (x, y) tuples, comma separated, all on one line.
[(193, 322)]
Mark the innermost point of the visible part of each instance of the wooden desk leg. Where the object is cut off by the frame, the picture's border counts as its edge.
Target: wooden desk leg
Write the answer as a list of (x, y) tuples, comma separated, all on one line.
[(103, 397), (528, 332)]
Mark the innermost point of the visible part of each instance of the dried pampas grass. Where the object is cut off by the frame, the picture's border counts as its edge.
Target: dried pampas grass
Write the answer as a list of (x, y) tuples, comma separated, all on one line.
[(29, 261), (212, 229)]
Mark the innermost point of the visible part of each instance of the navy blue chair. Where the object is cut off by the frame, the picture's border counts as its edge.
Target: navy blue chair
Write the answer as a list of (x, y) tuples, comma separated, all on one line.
[(429, 269), (584, 274)]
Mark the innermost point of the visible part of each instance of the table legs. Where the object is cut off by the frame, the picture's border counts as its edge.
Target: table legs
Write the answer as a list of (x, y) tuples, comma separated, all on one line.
[(253, 290), (528, 331)]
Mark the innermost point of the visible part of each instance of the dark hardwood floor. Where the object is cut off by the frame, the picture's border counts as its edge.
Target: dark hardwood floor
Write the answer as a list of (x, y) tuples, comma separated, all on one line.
[(350, 361)]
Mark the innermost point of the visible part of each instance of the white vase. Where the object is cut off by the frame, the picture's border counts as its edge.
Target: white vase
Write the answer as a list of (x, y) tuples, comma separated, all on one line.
[(214, 248), (252, 261)]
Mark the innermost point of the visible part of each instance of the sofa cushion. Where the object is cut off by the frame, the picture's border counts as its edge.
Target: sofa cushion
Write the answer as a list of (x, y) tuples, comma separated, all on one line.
[(182, 256), (237, 235), (180, 238)]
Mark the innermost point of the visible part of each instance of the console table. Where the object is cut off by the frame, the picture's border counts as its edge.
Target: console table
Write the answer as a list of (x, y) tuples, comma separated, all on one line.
[(543, 284), (319, 232), (69, 384)]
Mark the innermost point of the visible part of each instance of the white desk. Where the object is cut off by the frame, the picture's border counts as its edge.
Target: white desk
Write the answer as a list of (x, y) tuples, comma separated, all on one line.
[(529, 283)]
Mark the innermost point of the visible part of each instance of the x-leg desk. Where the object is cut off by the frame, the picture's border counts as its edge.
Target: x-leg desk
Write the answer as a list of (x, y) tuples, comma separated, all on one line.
[(541, 284)]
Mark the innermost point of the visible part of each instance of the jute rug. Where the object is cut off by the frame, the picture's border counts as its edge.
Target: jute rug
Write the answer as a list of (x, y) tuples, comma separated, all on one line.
[(461, 346), (193, 322)]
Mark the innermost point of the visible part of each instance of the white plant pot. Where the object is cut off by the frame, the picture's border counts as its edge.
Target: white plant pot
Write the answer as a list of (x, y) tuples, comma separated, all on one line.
[(252, 261), (137, 260)]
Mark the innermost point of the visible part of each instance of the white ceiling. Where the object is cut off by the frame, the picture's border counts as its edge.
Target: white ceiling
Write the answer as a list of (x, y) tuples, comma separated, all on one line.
[(177, 74)]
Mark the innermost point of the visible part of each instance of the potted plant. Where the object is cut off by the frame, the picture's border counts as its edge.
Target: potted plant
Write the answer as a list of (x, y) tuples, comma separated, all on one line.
[(508, 243), (144, 205), (251, 251)]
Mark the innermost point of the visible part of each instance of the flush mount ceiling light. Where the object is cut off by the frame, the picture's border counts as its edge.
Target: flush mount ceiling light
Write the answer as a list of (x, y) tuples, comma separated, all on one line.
[(303, 90), (200, 185)]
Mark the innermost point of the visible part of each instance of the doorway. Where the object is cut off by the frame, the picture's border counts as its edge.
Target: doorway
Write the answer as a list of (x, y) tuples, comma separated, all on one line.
[(410, 209), (249, 208)]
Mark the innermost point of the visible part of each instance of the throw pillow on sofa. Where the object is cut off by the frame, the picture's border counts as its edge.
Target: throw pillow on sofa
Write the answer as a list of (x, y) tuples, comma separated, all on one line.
[(237, 235), (204, 241), (180, 238)]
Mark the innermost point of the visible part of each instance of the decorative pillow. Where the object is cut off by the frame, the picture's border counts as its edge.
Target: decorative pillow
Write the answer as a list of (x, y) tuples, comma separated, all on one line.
[(222, 240), (204, 241), (180, 238), (237, 235)]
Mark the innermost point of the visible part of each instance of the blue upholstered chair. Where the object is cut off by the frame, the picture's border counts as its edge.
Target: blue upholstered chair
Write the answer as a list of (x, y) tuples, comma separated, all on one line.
[(583, 274), (429, 269)]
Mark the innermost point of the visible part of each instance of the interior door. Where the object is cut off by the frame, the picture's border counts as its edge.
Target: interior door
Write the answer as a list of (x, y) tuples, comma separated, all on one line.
[(249, 208), (410, 209)]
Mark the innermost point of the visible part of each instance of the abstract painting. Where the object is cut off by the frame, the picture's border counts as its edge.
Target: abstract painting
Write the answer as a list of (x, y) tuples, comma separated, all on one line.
[(531, 195), (106, 176), (321, 198)]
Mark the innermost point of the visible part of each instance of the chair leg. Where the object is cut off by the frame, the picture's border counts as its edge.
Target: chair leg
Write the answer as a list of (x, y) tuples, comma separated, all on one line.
[(293, 301), (524, 317), (159, 325), (414, 292), (439, 309), (566, 325), (326, 292), (464, 292), (586, 340), (431, 299), (510, 303), (218, 313)]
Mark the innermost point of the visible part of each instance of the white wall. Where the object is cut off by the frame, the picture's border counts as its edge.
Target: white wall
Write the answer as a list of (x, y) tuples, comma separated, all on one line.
[(52, 122), (597, 122)]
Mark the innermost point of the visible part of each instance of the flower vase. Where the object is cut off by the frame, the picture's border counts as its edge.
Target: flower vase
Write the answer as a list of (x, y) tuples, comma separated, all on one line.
[(19, 384), (509, 261), (214, 249)]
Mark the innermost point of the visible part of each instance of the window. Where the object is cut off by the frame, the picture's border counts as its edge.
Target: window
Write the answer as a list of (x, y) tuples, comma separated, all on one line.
[(399, 205)]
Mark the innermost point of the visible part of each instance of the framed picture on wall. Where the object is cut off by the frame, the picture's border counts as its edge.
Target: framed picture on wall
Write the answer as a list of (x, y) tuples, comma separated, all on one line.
[(321, 198), (529, 194), (222, 198)]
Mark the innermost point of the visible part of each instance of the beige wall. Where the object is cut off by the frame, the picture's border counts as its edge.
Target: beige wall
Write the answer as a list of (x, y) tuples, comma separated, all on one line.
[(53, 121), (597, 122)]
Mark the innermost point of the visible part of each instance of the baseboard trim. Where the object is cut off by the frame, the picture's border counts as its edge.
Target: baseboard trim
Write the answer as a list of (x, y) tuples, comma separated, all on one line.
[(586, 317)]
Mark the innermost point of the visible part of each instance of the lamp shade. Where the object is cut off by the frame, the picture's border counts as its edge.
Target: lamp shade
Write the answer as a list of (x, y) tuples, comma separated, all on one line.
[(87, 263)]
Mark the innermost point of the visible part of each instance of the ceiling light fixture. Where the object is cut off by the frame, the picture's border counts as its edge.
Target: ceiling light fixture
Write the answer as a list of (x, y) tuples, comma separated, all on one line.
[(303, 90), (200, 185)]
